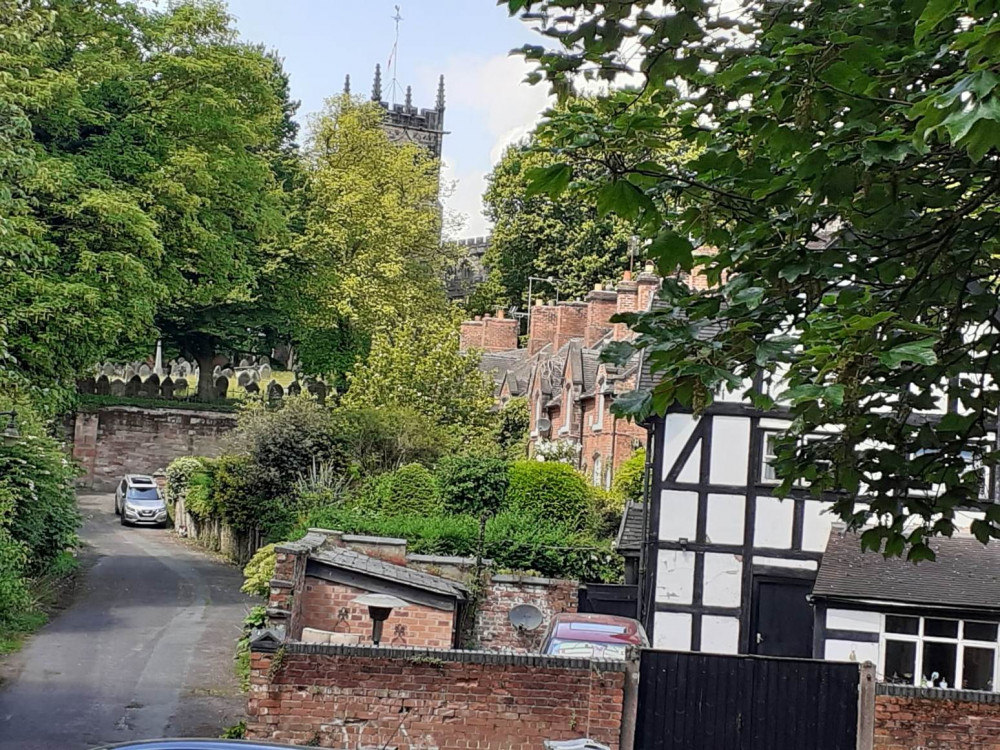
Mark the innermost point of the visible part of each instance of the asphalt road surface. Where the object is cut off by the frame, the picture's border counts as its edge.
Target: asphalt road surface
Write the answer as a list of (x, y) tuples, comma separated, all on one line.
[(145, 649)]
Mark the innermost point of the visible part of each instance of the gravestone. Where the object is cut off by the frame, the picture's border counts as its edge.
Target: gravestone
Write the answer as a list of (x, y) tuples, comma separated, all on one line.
[(244, 379), (254, 376), (151, 387), (144, 371), (117, 387), (244, 363), (227, 373), (265, 372), (108, 369), (86, 385), (103, 386), (295, 389), (180, 386), (264, 360), (167, 388), (183, 368), (318, 389), (221, 387), (129, 373), (133, 386), (216, 373), (275, 392), (253, 388)]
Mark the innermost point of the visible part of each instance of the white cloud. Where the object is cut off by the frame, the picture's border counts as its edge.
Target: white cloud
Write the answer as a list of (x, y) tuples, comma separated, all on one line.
[(493, 89)]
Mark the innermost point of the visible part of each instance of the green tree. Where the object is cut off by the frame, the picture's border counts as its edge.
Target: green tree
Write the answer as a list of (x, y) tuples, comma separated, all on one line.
[(572, 237), (849, 183), (371, 237), (418, 365)]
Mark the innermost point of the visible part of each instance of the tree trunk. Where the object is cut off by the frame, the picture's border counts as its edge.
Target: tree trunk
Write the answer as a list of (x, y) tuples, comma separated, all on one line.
[(206, 381)]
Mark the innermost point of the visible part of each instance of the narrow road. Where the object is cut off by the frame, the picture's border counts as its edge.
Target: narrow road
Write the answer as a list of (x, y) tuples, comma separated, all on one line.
[(145, 650)]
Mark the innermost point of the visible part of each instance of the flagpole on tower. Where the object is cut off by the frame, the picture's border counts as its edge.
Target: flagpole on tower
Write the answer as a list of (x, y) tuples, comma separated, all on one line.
[(394, 57)]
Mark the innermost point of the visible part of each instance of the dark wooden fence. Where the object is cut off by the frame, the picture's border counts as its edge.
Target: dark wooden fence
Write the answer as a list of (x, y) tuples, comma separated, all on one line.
[(691, 701), (609, 599)]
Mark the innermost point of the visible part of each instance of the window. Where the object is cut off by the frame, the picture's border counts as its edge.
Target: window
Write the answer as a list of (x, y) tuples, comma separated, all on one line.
[(768, 474), (939, 652), (599, 421), (595, 479)]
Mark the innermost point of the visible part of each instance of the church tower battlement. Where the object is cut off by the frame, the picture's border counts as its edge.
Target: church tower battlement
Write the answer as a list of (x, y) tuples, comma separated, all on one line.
[(405, 123)]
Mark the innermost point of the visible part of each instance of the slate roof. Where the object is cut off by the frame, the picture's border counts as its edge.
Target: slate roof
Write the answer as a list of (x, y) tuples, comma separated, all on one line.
[(346, 559), (630, 531), (647, 380), (497, 364), (965, 575)]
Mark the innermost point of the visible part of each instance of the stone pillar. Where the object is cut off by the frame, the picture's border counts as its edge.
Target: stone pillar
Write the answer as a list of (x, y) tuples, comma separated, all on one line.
[(85, 445)]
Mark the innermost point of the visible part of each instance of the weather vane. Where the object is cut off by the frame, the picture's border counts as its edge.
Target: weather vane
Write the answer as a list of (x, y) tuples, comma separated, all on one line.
[(394, 56)]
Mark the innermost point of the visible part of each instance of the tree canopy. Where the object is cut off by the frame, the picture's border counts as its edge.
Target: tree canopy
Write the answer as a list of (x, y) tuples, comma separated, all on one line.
[(848, 180)]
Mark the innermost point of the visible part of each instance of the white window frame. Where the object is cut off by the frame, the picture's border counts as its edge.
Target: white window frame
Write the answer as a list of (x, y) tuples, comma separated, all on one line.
[(567, 409), (596, 469), (767, 474), (920, 639), (598, 424)]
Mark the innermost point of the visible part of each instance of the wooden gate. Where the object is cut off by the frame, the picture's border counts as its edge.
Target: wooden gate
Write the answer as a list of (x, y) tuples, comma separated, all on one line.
[(691, 701)]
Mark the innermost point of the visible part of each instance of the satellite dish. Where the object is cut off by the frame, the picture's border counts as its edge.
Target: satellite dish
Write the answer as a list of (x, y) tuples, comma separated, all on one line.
[(525, 617), (544, 425)]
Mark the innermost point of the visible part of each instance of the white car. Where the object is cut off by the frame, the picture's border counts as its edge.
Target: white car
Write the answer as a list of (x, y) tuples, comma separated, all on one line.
[(138, 501)]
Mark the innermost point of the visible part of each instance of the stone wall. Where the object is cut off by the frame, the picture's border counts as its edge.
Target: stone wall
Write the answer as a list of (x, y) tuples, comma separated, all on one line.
[(908, 718), (494, 630), (359, 696), (112, 441)]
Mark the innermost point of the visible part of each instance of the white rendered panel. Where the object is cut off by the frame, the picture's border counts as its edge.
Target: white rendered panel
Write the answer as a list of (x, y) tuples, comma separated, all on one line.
[(730, 450), (851, 651), (782, 562), (725, 521), (723, 584), (849, 619), (773, 523), (816, 524), (672, 631), (678, 428), (674, 576), (720, 635), (678, 515)]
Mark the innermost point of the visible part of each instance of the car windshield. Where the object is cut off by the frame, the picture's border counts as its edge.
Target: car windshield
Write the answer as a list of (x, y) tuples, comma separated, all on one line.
[(587, 650), (143, 493)]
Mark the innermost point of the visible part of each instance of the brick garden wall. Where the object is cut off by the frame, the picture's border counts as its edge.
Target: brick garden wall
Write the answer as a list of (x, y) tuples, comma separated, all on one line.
[(353, 696), (324, 603), (504, 592), (921, 719), (116, 440)]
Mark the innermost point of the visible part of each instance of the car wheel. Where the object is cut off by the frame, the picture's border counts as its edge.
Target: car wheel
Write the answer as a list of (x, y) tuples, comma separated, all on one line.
[(121, 517), (117, 512)]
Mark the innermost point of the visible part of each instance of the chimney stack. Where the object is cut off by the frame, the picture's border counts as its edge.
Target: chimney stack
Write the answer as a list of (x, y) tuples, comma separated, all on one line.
[(627, 302), (603, 303)]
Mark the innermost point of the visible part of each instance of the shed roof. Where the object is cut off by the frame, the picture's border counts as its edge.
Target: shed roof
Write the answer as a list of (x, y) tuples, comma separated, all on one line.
[(630, 531), (965, 575), (346, 559)]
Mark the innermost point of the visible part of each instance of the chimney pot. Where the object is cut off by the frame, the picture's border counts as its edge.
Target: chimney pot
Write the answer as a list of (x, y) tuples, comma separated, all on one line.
[(627, 276), (478, 317), (539, 303), (500, 315), (598, 287), (650, 268)]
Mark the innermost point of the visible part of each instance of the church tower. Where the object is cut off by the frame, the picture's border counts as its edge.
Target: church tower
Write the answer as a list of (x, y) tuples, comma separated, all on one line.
[(405, 123)]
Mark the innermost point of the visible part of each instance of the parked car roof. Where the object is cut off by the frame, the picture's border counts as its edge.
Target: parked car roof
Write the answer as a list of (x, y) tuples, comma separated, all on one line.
[(193, 745), (594, 628)]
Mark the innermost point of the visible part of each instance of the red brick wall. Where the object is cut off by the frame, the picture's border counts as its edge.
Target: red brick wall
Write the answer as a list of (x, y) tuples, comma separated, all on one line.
[(571, 323), (628, 301), (911, 723), (118, 440), (415, 625), (500, 334), (541, 327), (470, 335), (493, 628), (603, 304), (344, 696)]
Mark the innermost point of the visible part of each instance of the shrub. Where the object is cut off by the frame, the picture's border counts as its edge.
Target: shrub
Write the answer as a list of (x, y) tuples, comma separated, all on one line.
[(552, 491), (606, 508), (410, 489), (178, 476), (259, 572), (471, 484), (628, 481), (14, 596), (200, 498), (284, 442), (380, 440)]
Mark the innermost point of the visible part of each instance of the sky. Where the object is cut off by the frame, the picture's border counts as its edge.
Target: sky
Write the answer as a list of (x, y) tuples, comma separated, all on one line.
[(468, 41)]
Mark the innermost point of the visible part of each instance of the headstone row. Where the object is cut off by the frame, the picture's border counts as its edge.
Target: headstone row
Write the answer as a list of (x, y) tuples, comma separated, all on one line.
[(169, 388)]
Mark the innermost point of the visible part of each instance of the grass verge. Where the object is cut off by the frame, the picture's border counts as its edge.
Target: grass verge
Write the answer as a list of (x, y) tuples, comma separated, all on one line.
[(51, 593)]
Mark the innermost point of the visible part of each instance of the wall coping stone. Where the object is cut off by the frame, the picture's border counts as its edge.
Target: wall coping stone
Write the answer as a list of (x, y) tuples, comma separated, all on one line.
[(281, 583), (309, 542), (446, 560), (432, 655), (362, 539), (947, 694), (207, 413), (529, 580)]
